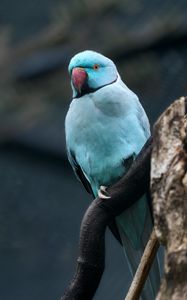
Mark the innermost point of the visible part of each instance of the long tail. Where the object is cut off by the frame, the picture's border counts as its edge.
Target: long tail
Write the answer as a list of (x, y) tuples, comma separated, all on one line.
[(135, 226)]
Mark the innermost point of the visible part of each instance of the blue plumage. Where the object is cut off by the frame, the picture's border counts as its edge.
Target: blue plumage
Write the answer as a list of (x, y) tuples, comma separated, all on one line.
[(106, 127)]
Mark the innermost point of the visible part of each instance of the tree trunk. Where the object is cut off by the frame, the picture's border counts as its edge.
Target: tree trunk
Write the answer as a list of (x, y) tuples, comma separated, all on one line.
[(169, 192)]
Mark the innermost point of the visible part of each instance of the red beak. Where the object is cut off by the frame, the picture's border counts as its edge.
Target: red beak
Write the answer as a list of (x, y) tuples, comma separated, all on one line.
[(79, 78)]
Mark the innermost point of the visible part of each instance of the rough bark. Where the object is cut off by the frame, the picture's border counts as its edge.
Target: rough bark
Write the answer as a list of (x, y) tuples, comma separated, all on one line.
[(169, 193)]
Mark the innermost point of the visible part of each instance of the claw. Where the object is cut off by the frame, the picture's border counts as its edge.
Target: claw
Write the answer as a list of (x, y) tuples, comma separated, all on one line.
[(102, 192)]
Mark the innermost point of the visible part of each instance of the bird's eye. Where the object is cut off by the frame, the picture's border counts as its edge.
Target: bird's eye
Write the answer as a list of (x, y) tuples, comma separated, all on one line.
[(96, 67)]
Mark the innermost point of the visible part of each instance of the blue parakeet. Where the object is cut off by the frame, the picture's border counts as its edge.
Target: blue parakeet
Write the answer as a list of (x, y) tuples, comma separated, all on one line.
[(106, 127)]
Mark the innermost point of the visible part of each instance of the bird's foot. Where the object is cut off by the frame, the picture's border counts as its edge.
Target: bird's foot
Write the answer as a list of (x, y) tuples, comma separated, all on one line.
[(102, 192)]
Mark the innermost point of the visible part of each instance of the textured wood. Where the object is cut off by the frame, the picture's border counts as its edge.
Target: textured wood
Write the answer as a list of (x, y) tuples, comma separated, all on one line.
[(169, 193)]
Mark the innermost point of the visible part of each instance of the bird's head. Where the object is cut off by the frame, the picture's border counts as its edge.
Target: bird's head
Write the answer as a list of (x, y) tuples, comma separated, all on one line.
[(90, 71)]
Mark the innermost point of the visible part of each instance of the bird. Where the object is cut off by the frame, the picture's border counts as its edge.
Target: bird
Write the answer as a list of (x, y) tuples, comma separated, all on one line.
[(105, 129)]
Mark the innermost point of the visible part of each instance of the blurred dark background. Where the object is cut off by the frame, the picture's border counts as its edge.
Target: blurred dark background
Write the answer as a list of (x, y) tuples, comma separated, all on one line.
[(41, 201)]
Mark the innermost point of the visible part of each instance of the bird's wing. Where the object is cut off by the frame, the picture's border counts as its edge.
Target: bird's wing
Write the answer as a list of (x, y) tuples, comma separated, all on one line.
[(79, 172), (144, 122), (81, 177)]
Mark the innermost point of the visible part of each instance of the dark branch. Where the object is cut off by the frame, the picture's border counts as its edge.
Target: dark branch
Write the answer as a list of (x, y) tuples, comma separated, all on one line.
[(91, 260)]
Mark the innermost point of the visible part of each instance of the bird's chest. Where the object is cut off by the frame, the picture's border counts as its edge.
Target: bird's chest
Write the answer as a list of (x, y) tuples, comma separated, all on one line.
[(101, 153), (100, 144)]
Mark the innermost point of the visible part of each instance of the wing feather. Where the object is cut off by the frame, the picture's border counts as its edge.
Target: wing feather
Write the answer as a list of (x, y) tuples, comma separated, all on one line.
[(79, 172), (82, 178)]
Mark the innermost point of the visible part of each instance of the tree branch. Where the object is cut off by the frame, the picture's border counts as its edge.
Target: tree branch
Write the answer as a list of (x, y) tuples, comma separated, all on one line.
[(143, 268), (90, 263), (91, 259)]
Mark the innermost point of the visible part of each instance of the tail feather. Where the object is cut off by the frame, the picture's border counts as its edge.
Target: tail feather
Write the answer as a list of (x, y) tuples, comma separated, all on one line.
[(134, 251)]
